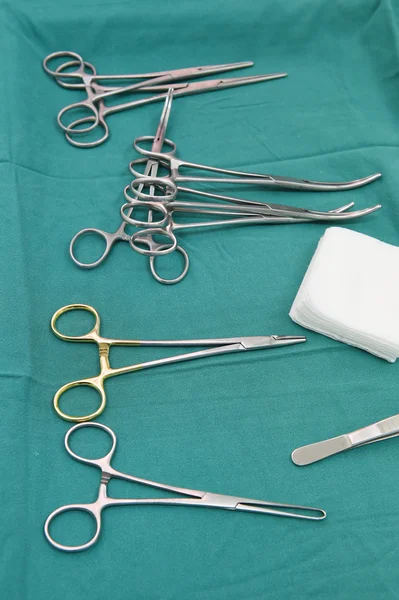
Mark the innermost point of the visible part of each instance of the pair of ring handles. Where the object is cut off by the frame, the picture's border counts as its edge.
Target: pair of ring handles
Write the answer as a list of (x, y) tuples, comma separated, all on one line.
[(84, 69), (97, 114), (94, 510), (154, 203), (154, 248)]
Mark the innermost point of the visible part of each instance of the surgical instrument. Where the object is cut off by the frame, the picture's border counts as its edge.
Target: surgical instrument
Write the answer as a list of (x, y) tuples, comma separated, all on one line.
[(169, 160), (167, 226), (244, 211), (166, 205), (248, 211), (218, 346), (146, 238), (85, 76), (120, 234), (186, 497), (376, 432)]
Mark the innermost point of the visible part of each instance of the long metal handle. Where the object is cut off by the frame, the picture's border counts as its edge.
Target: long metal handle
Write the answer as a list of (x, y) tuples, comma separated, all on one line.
[(273, 180), (241, 344), (251, 220), (179, 358), (381, 430), (315, 452), (269, 210), (376, 432), (203, 342)]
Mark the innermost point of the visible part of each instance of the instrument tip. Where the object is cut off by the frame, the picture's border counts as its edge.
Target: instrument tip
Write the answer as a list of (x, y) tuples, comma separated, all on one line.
[(286, 340), (270, 76), (237, 65), (368, 211), (344, 208), (375, 176), (294, 459)]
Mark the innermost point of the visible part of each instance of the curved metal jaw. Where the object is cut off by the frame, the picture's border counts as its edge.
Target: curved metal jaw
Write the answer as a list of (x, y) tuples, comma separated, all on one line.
[(341, 216), (266, 209), (321, 186)]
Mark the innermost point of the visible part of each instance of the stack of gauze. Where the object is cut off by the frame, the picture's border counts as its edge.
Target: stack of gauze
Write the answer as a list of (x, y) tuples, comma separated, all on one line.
[(350, 292)]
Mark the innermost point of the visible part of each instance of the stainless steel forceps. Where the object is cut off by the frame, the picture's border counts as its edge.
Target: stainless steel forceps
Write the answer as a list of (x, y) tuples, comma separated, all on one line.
[(238, 215), (218, 346), (86, 77), (186, 497), (143, 240), (174, 164), (151, 169), (167, 204), (376, 432), (162, 200)]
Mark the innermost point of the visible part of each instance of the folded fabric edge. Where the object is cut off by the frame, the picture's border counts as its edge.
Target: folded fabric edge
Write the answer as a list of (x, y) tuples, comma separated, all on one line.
[(340, 339)]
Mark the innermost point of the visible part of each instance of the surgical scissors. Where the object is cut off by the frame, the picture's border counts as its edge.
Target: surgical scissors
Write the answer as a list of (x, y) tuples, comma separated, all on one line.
[(376, 432), (218, 346), (97, 94), (186, 497)]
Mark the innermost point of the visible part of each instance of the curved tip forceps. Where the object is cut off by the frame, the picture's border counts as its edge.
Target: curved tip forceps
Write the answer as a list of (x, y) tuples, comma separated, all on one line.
[(239, 211), (174, 164), (377, 432), (162, 200), (187, 497), (84, 76), (218, 346), (142, 241)]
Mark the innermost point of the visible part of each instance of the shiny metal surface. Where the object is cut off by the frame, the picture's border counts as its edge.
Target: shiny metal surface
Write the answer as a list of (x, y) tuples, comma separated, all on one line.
[(84, 76), (162, 203), (187, 497), (151, 169), (376, 432), (158, 198), (218, 346), (175, 165)]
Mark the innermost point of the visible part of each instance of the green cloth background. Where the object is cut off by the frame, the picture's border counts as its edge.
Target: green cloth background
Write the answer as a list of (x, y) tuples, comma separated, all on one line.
[(226, 424)]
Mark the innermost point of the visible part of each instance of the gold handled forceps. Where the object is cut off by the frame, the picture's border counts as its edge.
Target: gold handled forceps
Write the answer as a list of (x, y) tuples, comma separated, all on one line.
[(219, 346)]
